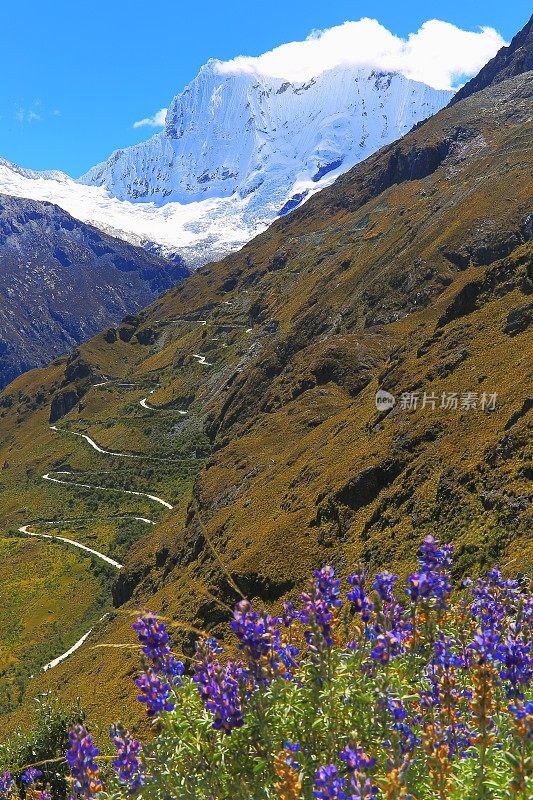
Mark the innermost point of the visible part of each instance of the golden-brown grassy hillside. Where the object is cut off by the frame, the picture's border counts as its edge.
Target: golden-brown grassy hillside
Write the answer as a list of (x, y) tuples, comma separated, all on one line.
[(412, 274)]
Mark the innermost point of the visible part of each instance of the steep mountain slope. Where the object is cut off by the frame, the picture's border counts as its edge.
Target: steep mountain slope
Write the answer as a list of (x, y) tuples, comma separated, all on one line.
[(62, 281), (250, 397)]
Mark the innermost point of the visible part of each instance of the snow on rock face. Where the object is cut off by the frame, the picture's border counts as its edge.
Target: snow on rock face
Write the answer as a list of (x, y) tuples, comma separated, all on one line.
[(238, 150), (196, 232), (259, 138)]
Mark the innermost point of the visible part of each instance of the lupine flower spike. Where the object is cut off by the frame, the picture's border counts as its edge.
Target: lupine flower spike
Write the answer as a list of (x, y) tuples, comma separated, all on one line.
[(409, 693), (81, 758)]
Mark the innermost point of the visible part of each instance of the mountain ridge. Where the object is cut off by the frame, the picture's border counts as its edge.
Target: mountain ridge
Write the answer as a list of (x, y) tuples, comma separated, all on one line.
[(63, 280), (321, 122), (509, 61)]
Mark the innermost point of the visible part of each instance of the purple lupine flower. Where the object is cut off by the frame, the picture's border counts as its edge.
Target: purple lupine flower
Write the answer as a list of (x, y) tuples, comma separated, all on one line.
[(328, 585), (289, 614), (291, 748), (457, 738), (401, 624), (517, 662), (128, 764), (206, 667), (523, 714), (495, 598), (386, 646), (392, 627), (356, 758), (495, 578), (434, 556), (320, 607), (219, 687), (81, 758), (287, 655), (6, 784), (255, 631), (460, 740), (483, 648), (419, 586), (357, 595), (408, 739), (444, 653), (294, 747), (154, 693), (261, 641), (362, 788), (30, 776), (225, 702), (329, 785), (384, 586), (432, 580), (396, 709), (441, 672), (153, 636), (357, 763)]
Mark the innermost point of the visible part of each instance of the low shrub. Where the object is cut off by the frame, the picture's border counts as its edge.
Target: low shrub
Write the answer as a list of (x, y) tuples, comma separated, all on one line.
[(382, 693)]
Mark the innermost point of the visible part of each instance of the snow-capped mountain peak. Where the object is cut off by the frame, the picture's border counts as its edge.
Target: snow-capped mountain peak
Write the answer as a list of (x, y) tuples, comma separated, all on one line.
[(247, 135), (239, 148)]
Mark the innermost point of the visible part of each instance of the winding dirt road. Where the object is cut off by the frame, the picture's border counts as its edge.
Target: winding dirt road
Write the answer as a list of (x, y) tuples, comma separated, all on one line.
[(93, 444), (73, 543), (59, 659), (116, 454), (24, 529), (202, 360), (153, 497), (144, 404)]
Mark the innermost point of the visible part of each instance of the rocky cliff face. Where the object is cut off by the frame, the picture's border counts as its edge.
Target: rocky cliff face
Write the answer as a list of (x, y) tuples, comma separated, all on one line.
[(62, 281), (509, 61)]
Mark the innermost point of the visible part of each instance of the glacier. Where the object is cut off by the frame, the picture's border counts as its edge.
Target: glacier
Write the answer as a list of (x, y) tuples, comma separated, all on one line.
[(238, 150)]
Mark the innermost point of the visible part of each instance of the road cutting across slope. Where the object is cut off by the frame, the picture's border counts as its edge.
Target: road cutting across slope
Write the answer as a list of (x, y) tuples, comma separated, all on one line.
[(202, 360), (155, 498), (24, 530)]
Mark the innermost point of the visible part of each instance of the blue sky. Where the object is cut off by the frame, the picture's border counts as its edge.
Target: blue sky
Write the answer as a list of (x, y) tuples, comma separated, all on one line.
[(77, 75)]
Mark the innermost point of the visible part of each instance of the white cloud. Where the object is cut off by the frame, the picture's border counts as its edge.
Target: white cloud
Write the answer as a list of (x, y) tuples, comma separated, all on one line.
[(439, 53), (28, 115), (157, 121)]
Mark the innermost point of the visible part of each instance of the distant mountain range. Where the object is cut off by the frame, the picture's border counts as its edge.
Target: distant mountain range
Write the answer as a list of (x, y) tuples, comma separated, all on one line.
[(61, 281), (237, 151)]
